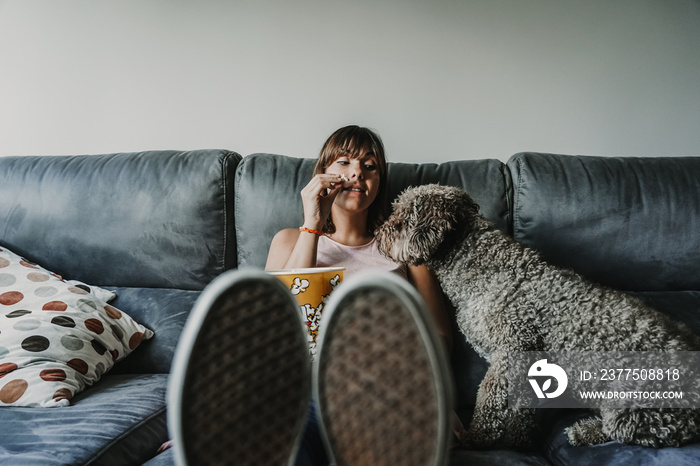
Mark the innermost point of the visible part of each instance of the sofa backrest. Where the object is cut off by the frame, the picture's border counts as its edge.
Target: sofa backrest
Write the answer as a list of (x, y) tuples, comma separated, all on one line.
[(151, 219), (268, 197), (630, 223)]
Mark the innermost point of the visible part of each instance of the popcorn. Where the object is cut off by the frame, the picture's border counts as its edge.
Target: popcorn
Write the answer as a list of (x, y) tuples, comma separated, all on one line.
[(345, 181)]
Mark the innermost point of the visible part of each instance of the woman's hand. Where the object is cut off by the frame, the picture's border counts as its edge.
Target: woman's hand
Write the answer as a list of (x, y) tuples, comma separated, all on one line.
[(290, 248), (317, 197)]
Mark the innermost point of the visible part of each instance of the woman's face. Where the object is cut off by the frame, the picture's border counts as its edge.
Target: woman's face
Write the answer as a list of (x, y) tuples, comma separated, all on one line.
[(363, 174)]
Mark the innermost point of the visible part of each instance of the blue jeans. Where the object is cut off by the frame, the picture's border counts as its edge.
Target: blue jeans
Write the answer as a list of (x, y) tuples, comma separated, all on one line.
[(311, 450)]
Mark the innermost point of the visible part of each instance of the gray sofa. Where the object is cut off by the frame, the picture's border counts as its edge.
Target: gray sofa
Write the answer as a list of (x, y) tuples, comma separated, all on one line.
[(156, 227)]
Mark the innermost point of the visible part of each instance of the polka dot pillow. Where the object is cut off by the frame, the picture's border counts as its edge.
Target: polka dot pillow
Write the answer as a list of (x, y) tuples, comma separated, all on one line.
[(56, 337)]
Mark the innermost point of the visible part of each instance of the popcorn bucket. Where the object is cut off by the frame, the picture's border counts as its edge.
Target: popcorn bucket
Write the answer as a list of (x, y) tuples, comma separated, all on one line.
[(311, 288)]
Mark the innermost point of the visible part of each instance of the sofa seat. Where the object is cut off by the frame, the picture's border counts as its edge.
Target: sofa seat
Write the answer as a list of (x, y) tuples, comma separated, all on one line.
[(679, 305), (117, 421), (495, 458), (560, 452), (164, 311), (457, 457)]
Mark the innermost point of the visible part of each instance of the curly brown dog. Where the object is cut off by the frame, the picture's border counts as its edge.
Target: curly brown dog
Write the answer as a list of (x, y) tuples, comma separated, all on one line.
[(508, 299)]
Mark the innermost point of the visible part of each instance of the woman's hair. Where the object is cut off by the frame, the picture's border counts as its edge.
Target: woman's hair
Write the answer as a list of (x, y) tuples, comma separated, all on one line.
[(353, 141)]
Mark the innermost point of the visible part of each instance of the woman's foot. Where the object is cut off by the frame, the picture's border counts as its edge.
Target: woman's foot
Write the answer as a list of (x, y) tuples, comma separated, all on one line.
[(240, 386), (381, 379)]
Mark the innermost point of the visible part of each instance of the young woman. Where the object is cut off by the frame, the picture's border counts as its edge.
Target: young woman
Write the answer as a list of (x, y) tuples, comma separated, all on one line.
[(343, 205)]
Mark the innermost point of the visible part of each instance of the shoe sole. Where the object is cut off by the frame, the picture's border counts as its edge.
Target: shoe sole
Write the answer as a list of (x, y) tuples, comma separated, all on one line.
[(239, 390), (382, 383)]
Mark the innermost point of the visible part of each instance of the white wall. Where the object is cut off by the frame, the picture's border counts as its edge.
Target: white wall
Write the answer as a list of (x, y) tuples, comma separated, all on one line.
[(439, 79)]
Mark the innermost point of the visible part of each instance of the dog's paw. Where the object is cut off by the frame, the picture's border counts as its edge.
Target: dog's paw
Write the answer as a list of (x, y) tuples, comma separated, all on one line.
[(478, 441), (586, 432), (482, 436), (521, 429), (512, 438)]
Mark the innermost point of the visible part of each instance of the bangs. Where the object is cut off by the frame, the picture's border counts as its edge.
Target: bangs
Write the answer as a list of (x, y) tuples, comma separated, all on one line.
[(353, 145), (351, 141)]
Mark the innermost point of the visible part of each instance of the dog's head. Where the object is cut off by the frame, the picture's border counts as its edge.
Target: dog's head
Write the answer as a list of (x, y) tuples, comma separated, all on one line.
[(427, 221)]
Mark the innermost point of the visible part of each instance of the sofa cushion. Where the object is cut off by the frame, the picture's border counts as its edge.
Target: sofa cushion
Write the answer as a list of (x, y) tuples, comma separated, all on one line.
[(55, 338), (630, 223), (268, 197), (163, 310), (149, 219), (681, 306), (459, 457), (119, 421), (560, 452)]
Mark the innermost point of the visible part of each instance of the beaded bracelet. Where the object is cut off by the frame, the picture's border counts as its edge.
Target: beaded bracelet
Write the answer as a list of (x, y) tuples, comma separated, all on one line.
[(309, 230)]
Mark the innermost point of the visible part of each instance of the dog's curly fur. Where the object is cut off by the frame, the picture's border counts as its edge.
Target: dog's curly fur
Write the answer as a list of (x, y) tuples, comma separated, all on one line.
[(508, 299)]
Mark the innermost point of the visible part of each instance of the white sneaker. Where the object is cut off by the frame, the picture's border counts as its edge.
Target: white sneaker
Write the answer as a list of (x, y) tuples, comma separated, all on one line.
[(381, 378), (239, 389)]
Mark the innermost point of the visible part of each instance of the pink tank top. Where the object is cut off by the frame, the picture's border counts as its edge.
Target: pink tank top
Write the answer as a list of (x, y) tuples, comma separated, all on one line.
[(355, 258)]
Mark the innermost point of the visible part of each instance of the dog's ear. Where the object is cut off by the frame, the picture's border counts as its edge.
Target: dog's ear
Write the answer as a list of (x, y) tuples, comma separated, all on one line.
[(423, 241), (431, 215), (444, 215), (391, 236), (451, 208), (466, 213)]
